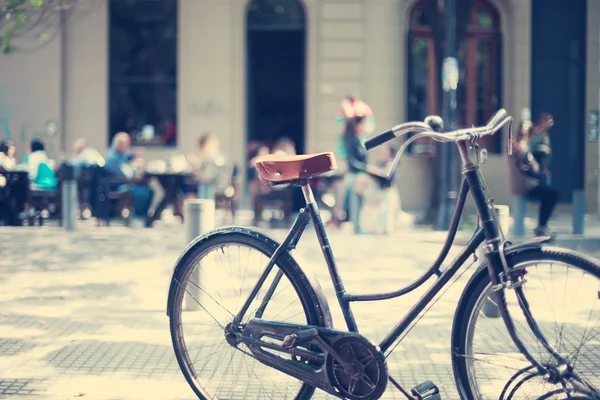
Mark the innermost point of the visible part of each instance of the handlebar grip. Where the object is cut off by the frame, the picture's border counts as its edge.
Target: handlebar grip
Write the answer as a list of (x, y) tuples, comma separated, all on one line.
[(380, 139)]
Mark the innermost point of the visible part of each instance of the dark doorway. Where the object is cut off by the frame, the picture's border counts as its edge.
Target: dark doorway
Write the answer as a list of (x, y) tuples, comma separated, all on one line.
[(558, 47), (276, 61), (276, 71)]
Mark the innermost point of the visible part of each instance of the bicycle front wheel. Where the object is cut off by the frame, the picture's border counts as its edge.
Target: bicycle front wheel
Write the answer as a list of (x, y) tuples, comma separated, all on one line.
[(562, 289), (215, 278)]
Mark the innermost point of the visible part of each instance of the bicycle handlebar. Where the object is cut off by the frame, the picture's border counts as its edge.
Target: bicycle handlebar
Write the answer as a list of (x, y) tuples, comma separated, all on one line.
[(497, 121)]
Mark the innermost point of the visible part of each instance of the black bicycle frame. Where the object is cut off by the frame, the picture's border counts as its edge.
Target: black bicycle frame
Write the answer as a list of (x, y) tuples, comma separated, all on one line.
[(488, 232), (345, 298)]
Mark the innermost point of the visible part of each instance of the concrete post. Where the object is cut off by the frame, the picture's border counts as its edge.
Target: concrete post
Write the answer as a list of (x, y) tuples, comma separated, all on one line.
[(69, 203), (354, 205), (519, 210), (503, 215), (199, 219), (578, 212)]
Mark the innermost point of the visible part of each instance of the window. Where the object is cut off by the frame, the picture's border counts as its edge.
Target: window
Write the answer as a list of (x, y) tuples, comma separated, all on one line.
[(480, 84), (143, 70)]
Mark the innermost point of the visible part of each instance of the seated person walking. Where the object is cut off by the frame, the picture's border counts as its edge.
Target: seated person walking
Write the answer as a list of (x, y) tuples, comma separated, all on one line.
[(120, 163)]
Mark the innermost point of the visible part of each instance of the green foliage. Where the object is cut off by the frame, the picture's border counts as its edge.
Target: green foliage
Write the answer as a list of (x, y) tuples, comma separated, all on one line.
[(36, 18)]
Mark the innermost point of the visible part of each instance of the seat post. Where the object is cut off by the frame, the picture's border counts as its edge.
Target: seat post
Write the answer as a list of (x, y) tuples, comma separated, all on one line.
[(309, 197), (336, 279)]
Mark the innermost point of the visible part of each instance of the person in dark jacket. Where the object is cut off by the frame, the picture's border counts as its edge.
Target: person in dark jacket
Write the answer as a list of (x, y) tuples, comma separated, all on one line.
[(539, 142), (363, 180), (528, 178)]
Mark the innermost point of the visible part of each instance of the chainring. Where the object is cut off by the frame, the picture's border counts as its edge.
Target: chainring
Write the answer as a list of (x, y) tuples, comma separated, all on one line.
[(367, 377)]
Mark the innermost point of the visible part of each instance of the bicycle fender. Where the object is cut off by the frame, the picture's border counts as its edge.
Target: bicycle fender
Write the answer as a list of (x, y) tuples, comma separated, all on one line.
[(316, 292), (529, 244)]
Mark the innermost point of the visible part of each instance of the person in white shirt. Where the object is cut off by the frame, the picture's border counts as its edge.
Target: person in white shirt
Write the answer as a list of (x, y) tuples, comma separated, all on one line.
[(40, 168), (84, 156), (35, 158)]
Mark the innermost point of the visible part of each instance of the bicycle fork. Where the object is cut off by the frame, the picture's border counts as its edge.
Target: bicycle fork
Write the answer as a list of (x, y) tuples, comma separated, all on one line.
[(514, 280)]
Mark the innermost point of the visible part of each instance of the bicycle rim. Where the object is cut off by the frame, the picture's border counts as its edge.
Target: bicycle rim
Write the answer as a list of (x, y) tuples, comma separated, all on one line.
[(227, 271), (564, 301)]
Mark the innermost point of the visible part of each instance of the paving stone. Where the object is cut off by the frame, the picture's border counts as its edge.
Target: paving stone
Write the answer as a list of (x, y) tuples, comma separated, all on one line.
[(83, 310)]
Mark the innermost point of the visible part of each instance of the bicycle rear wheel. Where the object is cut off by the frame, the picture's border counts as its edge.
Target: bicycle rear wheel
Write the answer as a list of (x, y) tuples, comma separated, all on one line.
[(562, 289), (216, 277)]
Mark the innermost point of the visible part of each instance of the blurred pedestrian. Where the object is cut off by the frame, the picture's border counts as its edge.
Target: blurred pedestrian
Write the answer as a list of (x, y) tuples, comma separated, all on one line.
[(539, 142), (528, 179), (84, 156)]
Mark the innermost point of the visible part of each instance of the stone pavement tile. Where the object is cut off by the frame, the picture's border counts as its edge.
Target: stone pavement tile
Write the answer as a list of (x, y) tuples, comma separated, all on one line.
[(84, 312)]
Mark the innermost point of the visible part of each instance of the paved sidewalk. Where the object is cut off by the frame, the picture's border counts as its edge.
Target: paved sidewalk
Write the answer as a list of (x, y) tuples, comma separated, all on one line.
[(83, 313)]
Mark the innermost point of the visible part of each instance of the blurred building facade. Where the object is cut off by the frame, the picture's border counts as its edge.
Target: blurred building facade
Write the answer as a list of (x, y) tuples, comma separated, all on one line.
[(168, 71)]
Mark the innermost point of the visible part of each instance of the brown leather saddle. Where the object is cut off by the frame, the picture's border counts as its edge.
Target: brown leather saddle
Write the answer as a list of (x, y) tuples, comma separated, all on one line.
[(276, 169)]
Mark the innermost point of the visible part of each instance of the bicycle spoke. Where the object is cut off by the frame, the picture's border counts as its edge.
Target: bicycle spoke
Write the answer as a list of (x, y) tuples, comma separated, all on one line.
[(487, 362), (568, 323), (221, 370)]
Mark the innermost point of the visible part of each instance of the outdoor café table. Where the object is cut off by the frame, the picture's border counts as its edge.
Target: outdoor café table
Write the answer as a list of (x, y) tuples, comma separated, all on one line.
[(172, 183)]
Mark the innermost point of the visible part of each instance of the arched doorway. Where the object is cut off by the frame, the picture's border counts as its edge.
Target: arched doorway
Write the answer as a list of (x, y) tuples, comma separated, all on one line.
[(275, 45), (479, 91)]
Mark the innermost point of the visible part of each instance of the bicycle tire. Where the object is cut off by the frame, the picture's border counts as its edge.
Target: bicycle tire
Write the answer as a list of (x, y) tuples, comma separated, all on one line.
[(476, 287), (255, 240)]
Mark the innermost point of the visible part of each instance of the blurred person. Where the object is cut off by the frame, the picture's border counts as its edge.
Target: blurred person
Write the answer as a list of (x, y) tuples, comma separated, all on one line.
[(84, 156), (362, 177), (382, 202), (528, 179), (12, 206), (120, 163), (350, 107), (539, 142), (7, 155), (170, 132), (210, 166), (255, 150), (40, 167), (284, 146)]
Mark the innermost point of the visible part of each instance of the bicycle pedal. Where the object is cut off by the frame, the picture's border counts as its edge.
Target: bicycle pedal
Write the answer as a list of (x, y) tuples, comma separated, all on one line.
[(290, 340), (426, 391)]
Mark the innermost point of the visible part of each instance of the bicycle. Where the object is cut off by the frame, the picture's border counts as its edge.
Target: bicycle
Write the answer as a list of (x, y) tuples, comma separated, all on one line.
[(252, 323)]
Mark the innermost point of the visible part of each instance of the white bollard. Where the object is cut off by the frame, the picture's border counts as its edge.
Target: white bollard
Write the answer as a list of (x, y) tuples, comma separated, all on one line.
[(199, 217), (503, 215), (519, 210)]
